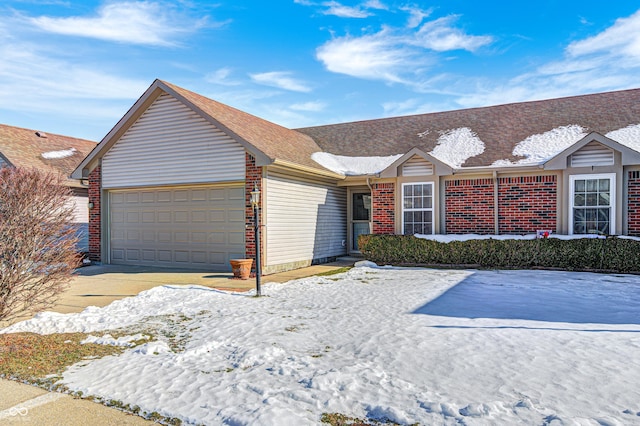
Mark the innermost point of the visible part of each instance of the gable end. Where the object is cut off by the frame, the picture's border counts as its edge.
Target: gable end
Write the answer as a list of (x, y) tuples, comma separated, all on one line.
[(171, 144)]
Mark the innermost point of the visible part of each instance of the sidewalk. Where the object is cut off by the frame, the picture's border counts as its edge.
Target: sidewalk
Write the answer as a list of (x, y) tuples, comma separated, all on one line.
[(99, 285)]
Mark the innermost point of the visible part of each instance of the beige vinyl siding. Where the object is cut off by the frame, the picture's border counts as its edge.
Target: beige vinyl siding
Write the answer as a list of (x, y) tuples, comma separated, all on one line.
[(80, 208), (305, 220), (417, 166), (592, 154), (171, 144), (81, 220)]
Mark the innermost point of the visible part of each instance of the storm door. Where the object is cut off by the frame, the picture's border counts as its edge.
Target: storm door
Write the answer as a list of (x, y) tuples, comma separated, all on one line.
[(360, 218)]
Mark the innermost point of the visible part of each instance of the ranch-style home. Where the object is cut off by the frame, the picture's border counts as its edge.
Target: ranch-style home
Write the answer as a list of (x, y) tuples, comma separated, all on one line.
[(170, 184), (48, 152)]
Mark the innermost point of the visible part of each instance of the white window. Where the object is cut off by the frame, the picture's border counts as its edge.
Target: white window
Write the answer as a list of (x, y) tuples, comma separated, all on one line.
[(417, 208), (592, 204)]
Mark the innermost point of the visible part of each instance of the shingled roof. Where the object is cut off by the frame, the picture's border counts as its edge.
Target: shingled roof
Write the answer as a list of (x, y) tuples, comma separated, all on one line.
[(44, 151), (501, 128), (273, 140)]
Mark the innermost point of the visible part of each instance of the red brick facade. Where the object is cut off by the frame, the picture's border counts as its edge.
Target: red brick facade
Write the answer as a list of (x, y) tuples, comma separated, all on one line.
[(527, 204), (383, 208), (469, 206), (95, 231), (633, 212), (253, 179)]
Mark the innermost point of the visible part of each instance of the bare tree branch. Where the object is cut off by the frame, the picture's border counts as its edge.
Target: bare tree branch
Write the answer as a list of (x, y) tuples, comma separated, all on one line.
[(37, 240)]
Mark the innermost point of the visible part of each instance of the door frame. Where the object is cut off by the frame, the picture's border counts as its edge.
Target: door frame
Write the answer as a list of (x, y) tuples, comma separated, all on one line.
[(350, 222)]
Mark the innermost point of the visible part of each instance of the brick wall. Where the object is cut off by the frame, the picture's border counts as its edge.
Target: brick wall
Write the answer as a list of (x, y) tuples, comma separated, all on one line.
[(95, 188), (253, 178), (527, 203), (633, 212), (383, 210), (469, 206)]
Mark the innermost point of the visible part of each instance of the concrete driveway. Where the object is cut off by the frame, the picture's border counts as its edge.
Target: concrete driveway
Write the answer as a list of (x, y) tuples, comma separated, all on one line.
[(99, 285)]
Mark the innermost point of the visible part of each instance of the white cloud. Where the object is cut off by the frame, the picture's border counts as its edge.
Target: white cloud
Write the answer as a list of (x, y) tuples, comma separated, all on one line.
[(416, 15), (606, 61), (314, 106), (145, 23), (342, 11), (441, 36), (394, 54), (221, 76), (375, 4), (281, 80), (622, 38), (380, 56)]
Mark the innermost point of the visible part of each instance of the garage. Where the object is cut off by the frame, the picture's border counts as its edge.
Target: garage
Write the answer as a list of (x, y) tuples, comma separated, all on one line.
[(195, 227)]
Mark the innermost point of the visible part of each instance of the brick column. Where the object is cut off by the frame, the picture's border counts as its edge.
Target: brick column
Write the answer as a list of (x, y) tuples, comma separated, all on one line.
[(95, 223), (633, 209), (383, 210), (527, 203), (253, 178)]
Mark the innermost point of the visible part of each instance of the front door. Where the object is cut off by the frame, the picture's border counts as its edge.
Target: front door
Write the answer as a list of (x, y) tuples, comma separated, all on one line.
[(360, 218)]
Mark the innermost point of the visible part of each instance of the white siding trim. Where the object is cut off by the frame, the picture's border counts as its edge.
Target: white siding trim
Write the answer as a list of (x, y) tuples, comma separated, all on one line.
[(417, 166), (171, 144), (592, 154), (305, 220)]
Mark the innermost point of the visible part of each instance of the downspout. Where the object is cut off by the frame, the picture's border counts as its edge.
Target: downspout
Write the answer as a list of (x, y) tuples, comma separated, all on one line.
[(496, 218)]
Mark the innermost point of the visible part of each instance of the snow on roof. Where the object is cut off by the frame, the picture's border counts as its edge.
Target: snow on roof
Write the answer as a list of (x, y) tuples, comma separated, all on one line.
[(55, 155), (628, 136), (455, 146), (353, 166), (543, 146)]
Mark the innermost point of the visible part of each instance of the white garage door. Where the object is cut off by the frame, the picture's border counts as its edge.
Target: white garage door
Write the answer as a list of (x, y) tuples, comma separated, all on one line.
[(187, 227)]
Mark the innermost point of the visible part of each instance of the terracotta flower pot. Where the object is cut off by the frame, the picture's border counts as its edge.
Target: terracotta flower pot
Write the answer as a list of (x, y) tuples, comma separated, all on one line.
[(241, 268)]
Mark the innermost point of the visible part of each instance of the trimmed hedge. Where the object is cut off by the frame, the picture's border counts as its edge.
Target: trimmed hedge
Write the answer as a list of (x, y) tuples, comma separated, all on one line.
[(584, 254)]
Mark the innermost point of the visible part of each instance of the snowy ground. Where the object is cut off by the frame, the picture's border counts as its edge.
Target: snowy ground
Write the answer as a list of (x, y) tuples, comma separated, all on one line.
[(411, 345)]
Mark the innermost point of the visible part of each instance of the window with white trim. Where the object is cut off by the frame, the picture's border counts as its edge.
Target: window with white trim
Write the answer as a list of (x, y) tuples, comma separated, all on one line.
[(593, 207), (417, 208)]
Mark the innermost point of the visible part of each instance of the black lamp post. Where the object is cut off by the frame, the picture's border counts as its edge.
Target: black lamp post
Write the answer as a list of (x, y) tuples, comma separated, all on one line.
[(255, 202)]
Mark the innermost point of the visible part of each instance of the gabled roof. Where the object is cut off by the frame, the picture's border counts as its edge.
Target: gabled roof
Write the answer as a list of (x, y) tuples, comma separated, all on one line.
[(269, 142), (273, 140), (629, 156), (439, 167), (44, 151), (500, 128)]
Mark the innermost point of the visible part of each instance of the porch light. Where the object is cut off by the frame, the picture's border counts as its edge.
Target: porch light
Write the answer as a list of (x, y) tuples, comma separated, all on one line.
[(255, 203)]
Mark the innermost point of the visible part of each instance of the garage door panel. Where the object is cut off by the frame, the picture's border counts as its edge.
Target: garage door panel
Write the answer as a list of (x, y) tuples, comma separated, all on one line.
[(198, 216), (236, 194), (236, 215), (199, 195), (196, 227), (236, 237)]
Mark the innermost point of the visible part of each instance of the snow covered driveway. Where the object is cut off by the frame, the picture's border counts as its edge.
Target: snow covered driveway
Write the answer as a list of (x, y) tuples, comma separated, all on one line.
[(410, 345)]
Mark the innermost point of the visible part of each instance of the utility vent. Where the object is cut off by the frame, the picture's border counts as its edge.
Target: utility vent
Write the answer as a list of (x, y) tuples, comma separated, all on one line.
[(592, 154), (417, 166), (41, 134)]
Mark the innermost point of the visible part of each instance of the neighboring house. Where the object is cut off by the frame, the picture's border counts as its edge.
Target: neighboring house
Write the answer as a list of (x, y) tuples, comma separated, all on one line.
[(170, 183), (50, 153)]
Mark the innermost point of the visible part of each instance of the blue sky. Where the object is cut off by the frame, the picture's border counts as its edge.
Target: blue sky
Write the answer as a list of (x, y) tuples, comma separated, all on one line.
[(75, 68)]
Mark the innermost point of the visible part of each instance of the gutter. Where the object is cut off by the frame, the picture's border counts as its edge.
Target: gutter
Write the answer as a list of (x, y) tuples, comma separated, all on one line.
[(476, 169), (306, 169)]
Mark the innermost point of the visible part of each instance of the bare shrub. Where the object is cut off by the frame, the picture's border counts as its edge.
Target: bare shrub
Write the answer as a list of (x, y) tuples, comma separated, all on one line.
[(37, 240)]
